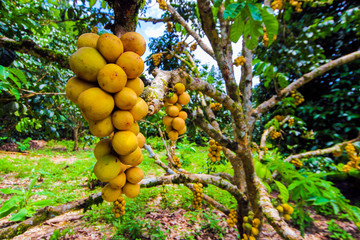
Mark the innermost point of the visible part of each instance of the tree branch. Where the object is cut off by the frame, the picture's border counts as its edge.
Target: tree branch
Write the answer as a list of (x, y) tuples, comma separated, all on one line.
[(265, 106), (29, 47), (155, 20), (189, 30)]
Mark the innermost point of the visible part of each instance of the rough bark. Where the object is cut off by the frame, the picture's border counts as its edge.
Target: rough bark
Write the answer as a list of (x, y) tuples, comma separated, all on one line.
[(29, 47)]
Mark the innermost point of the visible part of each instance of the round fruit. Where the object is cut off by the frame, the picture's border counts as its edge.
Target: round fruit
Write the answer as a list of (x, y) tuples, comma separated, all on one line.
[(183, 115), (287, 217), (131, 190), (254, 231), (184, 98), (119, 181), (134, 175), (107, 168), (171, 99), (167, 120), (125, 99), (138, 161), (178, 123), (280, 209), (182, 131), (112, 78), (140, 110), (122, 120), (86, 63), (141, 140), (178, 106), (110, 194), (168, 129), (173, 135), (134, 42), (95, 103), (102, 148), (132, 157), (75, 86), (172, 111), (110, 46), (87, 40), (124, 142), (131, 63), (136, 84), (135, 128), (179, 88), (101, 128)]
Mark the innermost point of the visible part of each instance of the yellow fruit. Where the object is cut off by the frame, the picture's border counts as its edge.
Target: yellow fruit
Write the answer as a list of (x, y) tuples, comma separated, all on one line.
[(110, 194), (135, 128), (173, 135), (111, 78), (171, 99), (290, 210), (178, 106), (134, 42), (102, 148), (254, 231), (86, 63), (280, 209), (95, 103), (173, 111), (110, 47), (211, 142), (248, 226), (167, 120), (132, 157), (101, 128), (179, 88), (124, 142), (136, 84), (286, 207), (134, 175), (87, 40), (140, 110), (183, 115), (131, 190), (138, 161), (75, 86), (119, 181), (168, 129), (125, 99), (252, 238), (131, 63), (178, 123), (141, 139), (107, 168), (184, 98), (122, 120), (287, 217)]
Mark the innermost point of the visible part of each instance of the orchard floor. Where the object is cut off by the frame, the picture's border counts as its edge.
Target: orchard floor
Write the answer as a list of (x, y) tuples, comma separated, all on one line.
[(172, 223)]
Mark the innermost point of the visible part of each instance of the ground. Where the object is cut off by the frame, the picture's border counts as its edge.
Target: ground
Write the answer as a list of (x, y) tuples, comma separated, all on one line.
[(157, 222)]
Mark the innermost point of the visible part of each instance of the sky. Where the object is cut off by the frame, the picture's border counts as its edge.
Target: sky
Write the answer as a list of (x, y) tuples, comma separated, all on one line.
[(148, 30)]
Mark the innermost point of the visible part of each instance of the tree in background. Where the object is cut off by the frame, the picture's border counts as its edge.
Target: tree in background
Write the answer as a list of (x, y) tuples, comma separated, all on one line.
[(224, 22)]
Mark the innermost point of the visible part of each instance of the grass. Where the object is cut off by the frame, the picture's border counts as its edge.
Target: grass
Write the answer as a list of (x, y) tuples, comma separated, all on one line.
[(68, 180)]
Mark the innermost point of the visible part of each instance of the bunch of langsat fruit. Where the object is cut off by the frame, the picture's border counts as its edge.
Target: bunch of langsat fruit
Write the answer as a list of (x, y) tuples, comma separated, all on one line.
[(107, 88)]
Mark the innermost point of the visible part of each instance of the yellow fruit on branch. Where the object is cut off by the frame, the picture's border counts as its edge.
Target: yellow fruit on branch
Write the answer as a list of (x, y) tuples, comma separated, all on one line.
[(134, 42), (110, 47)]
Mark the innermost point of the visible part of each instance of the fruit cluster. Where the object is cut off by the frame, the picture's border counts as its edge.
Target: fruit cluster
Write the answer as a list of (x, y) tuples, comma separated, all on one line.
[(277, 4), (353, 158), (169, 26), (291, 122), (214, 151), (198, 195), (169, 56), (239, 61), (107, 89), (175, 118), (232, 220), (279, 118), (285, 210), (296, 4), (177, 161), (156, 58), (119, 207), (162, 4), (180, 47), (265, 38), (297, 97), (215, 106), (250, 227), (296, 162), (193, 46), (275, 134)]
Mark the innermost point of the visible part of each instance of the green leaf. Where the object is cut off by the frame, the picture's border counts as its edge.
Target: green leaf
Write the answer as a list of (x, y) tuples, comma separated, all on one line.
[(41, 203), (10, 191), (9, 206), (232, 10), (15, 80), (217, 3), (237, 29), (255, 12), (321, 201), (283, 190), (271, 23), (19, 216), (4, 73), (92, 2)]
